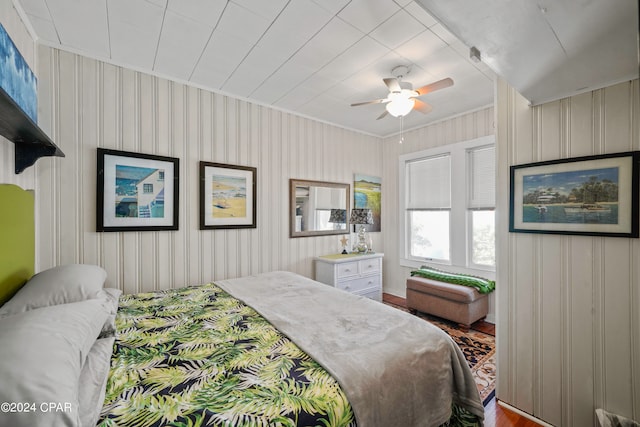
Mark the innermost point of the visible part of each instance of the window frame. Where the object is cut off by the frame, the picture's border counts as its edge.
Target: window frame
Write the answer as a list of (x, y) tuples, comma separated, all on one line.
[(460, 233)]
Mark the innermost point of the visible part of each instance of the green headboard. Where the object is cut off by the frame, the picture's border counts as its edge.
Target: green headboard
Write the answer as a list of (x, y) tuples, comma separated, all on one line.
[(17, 239)]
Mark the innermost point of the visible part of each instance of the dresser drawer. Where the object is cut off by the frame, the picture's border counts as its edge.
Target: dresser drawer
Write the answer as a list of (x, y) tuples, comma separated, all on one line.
[(360, 284), (371, 293), (367, 266), (347, 269)]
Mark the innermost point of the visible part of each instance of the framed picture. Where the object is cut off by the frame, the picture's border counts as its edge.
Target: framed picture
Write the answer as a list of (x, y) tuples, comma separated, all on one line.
[(136, 192), (227, 196), (367, 194), (593, 196)]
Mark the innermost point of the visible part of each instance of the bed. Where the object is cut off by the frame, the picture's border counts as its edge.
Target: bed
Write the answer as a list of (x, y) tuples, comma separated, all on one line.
[(274, 349)]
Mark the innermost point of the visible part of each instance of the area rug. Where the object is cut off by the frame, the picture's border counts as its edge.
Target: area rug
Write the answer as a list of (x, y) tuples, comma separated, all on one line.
[(478, 348)]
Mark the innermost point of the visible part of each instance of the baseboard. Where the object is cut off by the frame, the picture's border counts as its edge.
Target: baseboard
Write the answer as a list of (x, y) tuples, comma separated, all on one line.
[(490, 318), (523, 414)]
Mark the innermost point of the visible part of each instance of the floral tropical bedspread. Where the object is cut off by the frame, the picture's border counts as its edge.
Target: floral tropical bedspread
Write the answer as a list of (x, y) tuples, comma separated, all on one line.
[(197, 356)]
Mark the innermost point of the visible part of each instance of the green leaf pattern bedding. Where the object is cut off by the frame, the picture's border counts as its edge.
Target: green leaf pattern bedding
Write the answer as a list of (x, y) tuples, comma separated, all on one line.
[(197, 356)]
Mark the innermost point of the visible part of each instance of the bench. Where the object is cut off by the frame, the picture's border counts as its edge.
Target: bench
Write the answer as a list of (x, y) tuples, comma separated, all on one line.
[(461, 304)]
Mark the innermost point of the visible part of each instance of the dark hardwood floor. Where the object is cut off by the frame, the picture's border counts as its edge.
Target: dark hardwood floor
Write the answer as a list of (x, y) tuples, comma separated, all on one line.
[(494, 414)]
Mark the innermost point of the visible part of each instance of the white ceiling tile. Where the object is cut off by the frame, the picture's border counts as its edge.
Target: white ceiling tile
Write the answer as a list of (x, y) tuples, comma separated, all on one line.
[(182, 41), (205, 11), (443, 33), (396, 30), (333, 6), (366, 15), (447, 63), (221, 56), (303, 94), (421, 14), (45, 29), (282, 82), (421, 46), (37, 8), (285, 37), (303, 18), (134, 31), (252, 25), (262, 61), (85, 28), (372, 75), (267, 9), (332, 40), (354, 59), (131, 46)]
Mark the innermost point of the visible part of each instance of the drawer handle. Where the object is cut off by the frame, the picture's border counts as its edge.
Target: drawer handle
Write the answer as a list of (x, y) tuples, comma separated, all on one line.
[(347, 270)]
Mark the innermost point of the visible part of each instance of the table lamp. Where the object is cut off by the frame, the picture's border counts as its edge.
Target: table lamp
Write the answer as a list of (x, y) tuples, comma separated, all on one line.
[(362, 217)]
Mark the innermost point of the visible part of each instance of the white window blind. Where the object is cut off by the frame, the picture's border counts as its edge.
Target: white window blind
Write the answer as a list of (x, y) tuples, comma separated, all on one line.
[(429, 183), (482, 188)]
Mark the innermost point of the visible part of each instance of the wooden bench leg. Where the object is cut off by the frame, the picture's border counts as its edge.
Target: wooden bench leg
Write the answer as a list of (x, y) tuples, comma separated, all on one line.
[(464, 328)]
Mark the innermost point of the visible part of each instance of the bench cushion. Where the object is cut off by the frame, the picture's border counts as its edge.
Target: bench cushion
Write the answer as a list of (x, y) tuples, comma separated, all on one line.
[(463, 294), (483, 285)]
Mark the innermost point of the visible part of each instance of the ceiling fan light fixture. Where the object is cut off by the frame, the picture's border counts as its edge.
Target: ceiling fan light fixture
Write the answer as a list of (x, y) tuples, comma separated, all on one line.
[(400, 105)]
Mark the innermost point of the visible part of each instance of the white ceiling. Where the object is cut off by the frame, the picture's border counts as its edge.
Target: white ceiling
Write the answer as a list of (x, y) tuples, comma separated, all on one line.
[(310, 57)]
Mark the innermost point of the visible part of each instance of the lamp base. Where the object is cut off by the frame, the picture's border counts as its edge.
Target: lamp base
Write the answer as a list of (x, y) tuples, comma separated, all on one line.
[(362, 246)]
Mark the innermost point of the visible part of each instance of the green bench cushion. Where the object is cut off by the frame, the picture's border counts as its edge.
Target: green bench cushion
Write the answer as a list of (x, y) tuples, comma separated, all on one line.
[(484, 286)]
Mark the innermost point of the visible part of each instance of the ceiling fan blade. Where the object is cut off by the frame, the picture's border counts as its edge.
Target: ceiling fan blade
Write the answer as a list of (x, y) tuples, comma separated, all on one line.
[(384, 113), (393, 84), (377, 101), (422, 106), (440, 84)]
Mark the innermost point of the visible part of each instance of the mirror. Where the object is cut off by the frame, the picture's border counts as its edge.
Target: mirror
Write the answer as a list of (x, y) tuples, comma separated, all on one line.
[(318, 208)]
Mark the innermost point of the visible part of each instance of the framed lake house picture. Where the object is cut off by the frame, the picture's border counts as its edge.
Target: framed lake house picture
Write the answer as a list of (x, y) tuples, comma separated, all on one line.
[(227, 196), (136, 192), (592, 195)]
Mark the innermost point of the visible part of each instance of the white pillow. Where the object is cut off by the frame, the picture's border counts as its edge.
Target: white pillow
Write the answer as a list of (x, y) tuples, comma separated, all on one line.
[(41, 358), (111, 296), (59, 285), (93, 381)]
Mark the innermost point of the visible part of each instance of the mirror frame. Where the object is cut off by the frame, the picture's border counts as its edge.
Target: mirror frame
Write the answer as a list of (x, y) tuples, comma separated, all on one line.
[(293, 183)]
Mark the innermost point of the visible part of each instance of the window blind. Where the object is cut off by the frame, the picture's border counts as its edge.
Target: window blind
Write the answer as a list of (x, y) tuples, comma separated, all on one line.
[(482, 188), (429, 183)]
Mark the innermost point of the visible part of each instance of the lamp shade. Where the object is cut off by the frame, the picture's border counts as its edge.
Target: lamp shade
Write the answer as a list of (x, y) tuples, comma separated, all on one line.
[(400, 104), (338, 216), (361, 216)]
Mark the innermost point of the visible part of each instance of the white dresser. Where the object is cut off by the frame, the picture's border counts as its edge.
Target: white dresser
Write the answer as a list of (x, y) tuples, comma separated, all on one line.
[(358, 274)]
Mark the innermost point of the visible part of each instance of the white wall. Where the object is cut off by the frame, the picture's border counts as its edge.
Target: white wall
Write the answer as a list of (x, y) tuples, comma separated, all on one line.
[(88, 104), (568, 327), (462, 128)]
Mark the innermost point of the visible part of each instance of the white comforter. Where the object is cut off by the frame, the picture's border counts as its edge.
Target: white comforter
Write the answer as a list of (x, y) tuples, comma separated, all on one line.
[(396, 369)]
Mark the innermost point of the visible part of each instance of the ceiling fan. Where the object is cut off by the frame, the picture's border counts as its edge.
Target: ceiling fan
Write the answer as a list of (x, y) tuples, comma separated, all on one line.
[(402, 97)]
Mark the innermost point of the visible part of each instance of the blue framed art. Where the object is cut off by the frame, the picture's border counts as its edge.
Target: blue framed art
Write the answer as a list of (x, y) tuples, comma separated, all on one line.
[(16, 78)]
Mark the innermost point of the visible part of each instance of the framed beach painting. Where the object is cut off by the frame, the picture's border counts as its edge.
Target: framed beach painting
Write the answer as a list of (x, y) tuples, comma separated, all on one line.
[(227, 196), (136, 192), (367, 194), (593, 195)]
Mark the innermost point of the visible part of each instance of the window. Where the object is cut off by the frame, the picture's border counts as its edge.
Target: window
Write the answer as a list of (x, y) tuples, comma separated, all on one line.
[(147, 188), (429, 212), (447, 205), (481, 166)]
